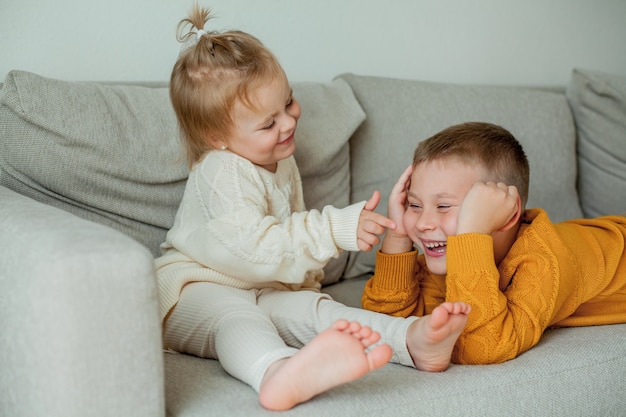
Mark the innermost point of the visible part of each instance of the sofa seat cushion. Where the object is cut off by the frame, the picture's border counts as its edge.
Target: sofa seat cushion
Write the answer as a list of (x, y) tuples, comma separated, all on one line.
[(598, 101), (112, 154), (401, 113), (558, 377)]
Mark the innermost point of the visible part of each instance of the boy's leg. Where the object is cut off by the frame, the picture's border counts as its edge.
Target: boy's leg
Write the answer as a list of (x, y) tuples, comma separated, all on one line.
[(219, 322), (300, 315)]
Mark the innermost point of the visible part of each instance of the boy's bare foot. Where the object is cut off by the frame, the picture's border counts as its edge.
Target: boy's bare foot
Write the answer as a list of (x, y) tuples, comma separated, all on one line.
[(431, 338), (335, 356)]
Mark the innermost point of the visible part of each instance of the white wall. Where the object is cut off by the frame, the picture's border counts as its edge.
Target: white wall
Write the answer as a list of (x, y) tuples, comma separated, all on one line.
[(534, 42)]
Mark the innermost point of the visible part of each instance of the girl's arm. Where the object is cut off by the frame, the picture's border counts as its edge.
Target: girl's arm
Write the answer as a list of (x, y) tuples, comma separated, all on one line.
[(233, 221)]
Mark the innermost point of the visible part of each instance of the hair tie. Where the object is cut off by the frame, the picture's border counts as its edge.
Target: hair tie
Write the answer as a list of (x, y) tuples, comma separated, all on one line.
[(200, 33)]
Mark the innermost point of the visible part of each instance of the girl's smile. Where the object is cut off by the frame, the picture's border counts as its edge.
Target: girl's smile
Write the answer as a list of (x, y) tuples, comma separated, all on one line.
[(264, 130)]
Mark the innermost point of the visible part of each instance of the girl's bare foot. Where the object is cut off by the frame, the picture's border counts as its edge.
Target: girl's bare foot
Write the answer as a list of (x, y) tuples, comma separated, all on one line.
[(431, 338), (335, 356)]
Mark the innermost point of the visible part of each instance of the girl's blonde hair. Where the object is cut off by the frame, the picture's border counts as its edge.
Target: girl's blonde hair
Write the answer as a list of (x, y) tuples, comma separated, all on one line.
[(483, 144), (213, 70)]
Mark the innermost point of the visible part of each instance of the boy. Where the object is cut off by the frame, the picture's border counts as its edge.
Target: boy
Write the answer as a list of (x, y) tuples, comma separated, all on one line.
[(462, 203)]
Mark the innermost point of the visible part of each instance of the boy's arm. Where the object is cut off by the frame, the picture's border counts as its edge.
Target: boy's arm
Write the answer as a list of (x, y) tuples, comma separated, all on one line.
[(396, 239), (391, 290), (498, 328), (400, 287), (502, 325), (400, 284)]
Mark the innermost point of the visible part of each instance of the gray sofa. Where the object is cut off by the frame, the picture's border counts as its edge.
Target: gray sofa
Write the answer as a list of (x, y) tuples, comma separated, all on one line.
[(91, 175)]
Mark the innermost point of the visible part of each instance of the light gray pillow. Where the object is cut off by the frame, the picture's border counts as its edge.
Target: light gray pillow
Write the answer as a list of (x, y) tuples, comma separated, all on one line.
[(107, 153), (401, 113), (330, 115), (598, 101), (111, 153)]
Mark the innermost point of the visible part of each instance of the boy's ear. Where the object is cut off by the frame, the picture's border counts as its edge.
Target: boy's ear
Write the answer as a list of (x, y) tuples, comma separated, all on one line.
[(513, 220)]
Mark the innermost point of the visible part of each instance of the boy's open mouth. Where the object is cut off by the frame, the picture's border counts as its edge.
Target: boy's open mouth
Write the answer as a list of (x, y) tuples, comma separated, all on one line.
[(437, 248)]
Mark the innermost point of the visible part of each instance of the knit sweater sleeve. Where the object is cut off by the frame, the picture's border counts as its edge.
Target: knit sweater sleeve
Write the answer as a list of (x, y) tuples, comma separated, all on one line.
[(503, 323), (237, 219), (555, 274), (401, 286), (497, 329)]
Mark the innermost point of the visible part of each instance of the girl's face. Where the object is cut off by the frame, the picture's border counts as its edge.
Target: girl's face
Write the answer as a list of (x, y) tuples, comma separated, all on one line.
[(434, 197), (264, 133)]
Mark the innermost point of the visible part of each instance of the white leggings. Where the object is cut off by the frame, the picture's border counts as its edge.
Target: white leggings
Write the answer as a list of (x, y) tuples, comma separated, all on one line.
[(248, 330)]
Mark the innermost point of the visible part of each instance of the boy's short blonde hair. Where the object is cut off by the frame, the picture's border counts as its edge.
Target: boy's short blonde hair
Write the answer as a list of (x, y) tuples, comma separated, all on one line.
[(486, 144), (213, 70)]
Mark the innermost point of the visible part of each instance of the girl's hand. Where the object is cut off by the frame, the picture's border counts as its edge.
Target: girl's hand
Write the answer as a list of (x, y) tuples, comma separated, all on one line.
[(371, 224), (489, 207)]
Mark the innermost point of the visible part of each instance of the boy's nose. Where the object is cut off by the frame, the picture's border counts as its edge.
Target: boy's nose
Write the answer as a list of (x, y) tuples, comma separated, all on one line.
[(426, 221)]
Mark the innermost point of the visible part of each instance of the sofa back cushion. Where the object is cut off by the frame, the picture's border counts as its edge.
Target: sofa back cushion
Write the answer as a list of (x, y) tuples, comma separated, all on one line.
[(598, 101), (107, 153), (401, 113), (112, 154), (330, 115)]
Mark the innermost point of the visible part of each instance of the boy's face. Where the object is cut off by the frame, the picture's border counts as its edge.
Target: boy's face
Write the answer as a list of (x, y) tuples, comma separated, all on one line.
[(435, 195), (264, 134)]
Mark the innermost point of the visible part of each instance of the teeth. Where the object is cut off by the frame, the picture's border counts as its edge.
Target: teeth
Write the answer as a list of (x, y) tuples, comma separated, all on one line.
[(432, 245)]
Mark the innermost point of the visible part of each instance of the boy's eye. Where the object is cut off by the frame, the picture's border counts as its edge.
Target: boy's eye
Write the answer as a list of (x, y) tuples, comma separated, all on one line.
[(290, 102), (269, 125)]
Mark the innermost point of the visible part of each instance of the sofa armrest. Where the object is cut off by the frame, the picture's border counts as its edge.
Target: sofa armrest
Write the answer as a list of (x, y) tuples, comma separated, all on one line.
[(79, 327)]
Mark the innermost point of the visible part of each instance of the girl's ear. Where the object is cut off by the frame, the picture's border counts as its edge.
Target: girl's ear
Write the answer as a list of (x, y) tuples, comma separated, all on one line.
[(217, 143), (513, 220)]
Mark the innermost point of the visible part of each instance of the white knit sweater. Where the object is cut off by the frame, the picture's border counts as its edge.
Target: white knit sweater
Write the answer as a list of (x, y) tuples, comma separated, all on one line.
[(243, 226)]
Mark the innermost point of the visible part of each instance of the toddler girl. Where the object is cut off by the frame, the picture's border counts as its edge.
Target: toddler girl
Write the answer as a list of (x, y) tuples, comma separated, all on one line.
[(240, 273)]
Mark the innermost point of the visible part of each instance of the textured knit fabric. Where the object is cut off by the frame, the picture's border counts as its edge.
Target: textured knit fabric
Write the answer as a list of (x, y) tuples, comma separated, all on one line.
[(565, 274), (240, 275), (242, 226)]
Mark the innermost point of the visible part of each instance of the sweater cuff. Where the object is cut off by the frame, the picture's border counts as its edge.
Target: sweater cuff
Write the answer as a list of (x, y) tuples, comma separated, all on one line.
[(343, 225), (395, 271), (474, 249)]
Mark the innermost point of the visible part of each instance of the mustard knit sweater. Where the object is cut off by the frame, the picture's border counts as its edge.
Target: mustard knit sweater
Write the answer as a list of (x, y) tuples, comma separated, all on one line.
[(565, 274)]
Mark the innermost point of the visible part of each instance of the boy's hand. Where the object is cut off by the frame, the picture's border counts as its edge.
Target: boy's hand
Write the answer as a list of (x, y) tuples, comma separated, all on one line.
[(371, 224), (488, 207), (398, 201), (396, 240)]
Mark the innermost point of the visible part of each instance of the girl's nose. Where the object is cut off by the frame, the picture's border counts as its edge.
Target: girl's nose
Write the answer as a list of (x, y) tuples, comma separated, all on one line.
[(288, 122)]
